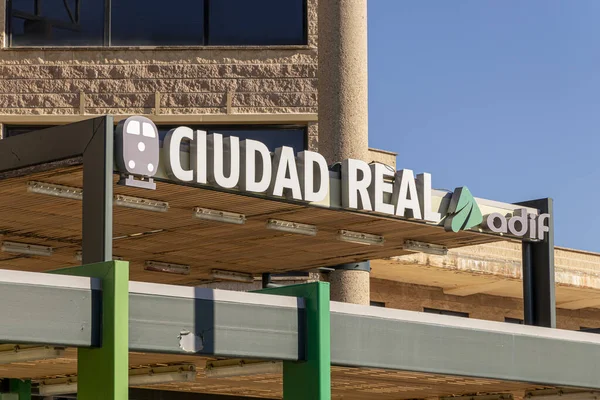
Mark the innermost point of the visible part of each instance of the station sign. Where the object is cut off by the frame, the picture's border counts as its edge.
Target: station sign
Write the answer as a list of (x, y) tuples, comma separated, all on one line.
[(249, 166)]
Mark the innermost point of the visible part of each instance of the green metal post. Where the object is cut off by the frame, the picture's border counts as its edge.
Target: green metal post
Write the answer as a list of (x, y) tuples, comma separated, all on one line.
[(17, 389), (311, 378), (103, 373)]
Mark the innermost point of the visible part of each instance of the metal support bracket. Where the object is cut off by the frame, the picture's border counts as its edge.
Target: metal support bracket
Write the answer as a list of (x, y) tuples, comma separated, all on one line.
[(311, 378)]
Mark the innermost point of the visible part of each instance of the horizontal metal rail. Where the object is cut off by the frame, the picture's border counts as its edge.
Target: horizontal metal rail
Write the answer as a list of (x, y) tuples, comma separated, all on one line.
[(63, 310), (376, 337), (175, 319), (49, 309)]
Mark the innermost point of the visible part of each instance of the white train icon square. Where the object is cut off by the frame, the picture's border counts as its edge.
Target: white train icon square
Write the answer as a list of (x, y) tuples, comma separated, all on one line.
[(137, 150)]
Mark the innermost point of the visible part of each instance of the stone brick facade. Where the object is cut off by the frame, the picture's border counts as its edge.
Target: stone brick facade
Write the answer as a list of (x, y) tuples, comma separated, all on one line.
[(190, 81), (412, 297)]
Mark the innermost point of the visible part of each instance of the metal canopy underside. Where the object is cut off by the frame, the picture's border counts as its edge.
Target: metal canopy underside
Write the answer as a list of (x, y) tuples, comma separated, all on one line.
[(397, 354), (176, 237)]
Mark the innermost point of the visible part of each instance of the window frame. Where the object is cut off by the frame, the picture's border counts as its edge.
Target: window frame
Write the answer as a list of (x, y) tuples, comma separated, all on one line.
[(107, 37), (450, 313), (207, 127), (516, 321)]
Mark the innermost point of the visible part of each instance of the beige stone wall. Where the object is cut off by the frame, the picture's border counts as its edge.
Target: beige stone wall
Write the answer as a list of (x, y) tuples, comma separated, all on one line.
[(382, 156), (201, 80), (493, 308)]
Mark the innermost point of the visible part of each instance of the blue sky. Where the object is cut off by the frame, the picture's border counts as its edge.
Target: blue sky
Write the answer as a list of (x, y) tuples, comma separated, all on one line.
[(502, 96)]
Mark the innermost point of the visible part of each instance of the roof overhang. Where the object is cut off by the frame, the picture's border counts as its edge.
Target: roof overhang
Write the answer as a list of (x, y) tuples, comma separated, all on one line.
[(80, 155)]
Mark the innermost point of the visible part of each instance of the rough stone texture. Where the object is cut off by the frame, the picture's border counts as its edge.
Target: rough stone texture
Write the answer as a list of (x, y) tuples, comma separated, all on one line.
[(350, 286), (407, 296), (313, 136), (343, 105), (383, 157), (343, 88), (40, 81), (573, 268)]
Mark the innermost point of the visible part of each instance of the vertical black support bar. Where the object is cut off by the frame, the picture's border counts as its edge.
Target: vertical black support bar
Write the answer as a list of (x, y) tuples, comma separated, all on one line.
[(266, 280), (528, 288), (538, 272), (206, 22), (107, 23), (98, 194)]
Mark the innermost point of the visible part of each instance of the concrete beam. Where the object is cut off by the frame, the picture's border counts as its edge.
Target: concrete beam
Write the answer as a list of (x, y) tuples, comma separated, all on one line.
[(468, 290), (579, 304)]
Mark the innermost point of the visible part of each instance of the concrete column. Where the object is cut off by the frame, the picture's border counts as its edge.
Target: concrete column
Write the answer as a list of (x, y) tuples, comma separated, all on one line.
[(350, 283), (343, 113)]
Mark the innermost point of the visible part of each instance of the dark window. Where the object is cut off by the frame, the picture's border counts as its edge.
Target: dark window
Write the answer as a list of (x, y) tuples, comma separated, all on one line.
[(271, 136), (155, 23), (446, 312), (256, 22), (377, 304), (590, 330), (513, 320), (56, 22)]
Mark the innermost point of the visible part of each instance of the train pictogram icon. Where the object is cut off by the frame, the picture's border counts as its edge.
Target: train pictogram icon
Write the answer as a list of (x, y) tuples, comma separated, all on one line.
[(137, 151)]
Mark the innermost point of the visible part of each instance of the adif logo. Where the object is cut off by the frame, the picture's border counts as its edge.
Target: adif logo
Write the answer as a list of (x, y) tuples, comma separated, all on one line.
[(463, 212), (137, 150)]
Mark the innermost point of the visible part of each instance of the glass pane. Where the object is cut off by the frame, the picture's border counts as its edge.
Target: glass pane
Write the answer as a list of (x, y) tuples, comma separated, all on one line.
[(19, 130), (256, 22), (271, 137), (57, 22), (157, 23)]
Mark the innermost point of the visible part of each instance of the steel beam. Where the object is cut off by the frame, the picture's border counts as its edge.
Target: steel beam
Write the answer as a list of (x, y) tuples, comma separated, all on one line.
[(538, 273), (375, 337), (48, 309), (151, 394), (98, 164), (47, 146), (186, 320)]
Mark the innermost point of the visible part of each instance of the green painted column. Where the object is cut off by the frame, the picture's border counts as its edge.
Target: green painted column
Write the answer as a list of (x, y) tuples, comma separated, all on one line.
[(15, 389), (311, 378), (103, 373)]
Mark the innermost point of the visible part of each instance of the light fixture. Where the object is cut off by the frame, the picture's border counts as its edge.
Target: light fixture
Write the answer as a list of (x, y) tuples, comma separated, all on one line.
[(233, 368), (170, 268), (292, 227), (74, 193), (79, 256), (360, 238), (429, 248), (232, 276), (497, 396), (552, 394), (161, 375), (49, 189), (140, 203), (137, 377), (138, 234), (19, 354), (25, 248), (219, 216)]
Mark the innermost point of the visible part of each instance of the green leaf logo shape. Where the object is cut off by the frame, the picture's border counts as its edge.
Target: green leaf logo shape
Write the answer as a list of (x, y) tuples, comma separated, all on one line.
[(463, 212)]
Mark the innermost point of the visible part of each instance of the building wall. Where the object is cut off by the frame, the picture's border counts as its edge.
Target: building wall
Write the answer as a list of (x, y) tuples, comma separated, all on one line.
[(191, 80), (493, 308)]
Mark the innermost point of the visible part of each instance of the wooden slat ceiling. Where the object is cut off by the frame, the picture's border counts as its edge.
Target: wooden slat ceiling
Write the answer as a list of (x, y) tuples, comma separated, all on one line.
[(42, 219), (347, 383)]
